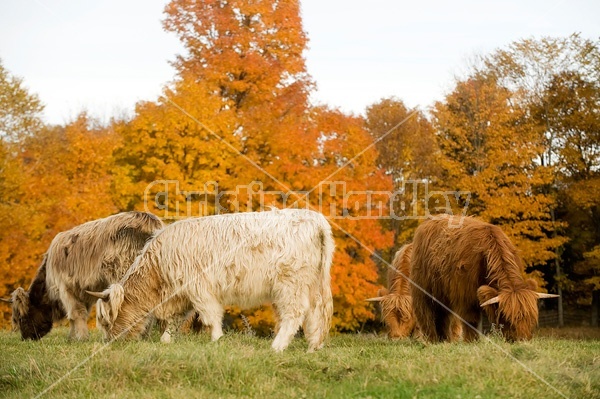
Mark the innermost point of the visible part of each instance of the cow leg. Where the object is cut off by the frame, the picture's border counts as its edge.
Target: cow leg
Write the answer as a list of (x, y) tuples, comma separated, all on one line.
[(276, 317), (443, 323), (315, 330), (211, 314), (426, 311), (469, 328), (78, 321), (293, 304), (196, 324), (318, 318), (77, 313), (148, 330), (170, 326), (470, 334)]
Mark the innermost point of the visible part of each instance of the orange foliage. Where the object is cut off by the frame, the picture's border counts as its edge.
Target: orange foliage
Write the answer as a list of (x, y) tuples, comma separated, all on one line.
[(64, 179), (489, 152)]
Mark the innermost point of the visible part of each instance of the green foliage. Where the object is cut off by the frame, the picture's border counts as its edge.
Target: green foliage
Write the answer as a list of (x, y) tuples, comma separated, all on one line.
[(20, 118), (19, 109)]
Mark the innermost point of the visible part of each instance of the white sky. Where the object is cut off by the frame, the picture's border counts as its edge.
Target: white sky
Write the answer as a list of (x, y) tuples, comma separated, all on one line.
[(104, 56)]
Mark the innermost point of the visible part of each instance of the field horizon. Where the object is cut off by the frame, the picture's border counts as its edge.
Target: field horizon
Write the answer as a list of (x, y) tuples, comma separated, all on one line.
[(351, 365)]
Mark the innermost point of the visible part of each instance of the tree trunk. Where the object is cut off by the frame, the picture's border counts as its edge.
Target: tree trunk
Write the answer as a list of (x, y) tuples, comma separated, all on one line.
[(561, 321), (595, 307)]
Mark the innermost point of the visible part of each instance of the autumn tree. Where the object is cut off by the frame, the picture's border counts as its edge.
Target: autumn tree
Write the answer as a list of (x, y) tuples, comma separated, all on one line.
[(69, 170), (237, 113), (488, 151), (51, 178), (66, 182), (346, 176), (20, 111), (185, 138), (251, 55), (572, 105), (549, 76), (20, 117), (408, 153), (527, 67)]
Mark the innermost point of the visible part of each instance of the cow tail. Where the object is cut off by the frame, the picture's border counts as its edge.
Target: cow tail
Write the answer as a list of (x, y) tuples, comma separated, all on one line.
[(327, 249)]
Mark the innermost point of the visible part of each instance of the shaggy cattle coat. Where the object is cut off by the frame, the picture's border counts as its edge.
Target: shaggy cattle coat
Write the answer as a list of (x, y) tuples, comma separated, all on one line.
[(242, 259), (396, 301), (87, 257), (467, 264)]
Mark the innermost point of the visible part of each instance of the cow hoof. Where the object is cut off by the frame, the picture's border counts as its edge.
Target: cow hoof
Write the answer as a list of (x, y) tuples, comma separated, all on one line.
[(279, 347), (165, 338), (79, 337)]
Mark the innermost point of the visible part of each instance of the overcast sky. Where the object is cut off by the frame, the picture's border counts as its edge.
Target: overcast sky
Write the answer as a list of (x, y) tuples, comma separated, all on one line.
[(104, 56)]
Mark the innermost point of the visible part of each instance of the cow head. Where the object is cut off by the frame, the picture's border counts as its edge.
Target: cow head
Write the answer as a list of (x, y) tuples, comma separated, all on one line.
[(33, 320), (396, 312), (514, 311), (107, 309)]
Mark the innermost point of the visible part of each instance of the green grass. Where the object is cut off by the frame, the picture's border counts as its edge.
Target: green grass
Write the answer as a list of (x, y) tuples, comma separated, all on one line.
[(350, 366)]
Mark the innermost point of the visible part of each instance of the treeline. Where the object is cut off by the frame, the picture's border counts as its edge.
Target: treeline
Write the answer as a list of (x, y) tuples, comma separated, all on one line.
[(516, 139)]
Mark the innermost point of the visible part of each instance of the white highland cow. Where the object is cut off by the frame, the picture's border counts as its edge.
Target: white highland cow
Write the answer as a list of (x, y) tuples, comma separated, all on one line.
[(242, 259)]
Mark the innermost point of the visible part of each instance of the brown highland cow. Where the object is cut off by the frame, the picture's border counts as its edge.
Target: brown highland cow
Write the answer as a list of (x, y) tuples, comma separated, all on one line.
[(90, 256), (467, 265), (396, 301)]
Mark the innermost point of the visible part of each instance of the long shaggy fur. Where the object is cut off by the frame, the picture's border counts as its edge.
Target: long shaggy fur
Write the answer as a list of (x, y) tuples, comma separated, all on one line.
[(87, 257), (463, 267), (243, 259), (396, 302)]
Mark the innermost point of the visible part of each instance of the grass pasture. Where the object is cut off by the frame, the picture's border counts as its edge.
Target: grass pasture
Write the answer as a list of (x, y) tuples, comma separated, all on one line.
[(351, 366)]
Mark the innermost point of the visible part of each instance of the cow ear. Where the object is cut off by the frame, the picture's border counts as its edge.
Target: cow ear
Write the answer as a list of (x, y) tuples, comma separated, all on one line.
[(20, 301), (487, 295), (117, 296), (103, 313)]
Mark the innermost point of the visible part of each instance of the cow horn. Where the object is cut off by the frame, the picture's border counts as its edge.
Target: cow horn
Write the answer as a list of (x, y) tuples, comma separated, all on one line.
[(490, 301), (7, 300), (376, 299), (101, 295), (541, 295)]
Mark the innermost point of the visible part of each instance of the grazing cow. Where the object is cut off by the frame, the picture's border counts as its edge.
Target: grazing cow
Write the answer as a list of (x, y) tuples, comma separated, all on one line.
[(467, 265), (396, 301), (87, 257), (241, 259)]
